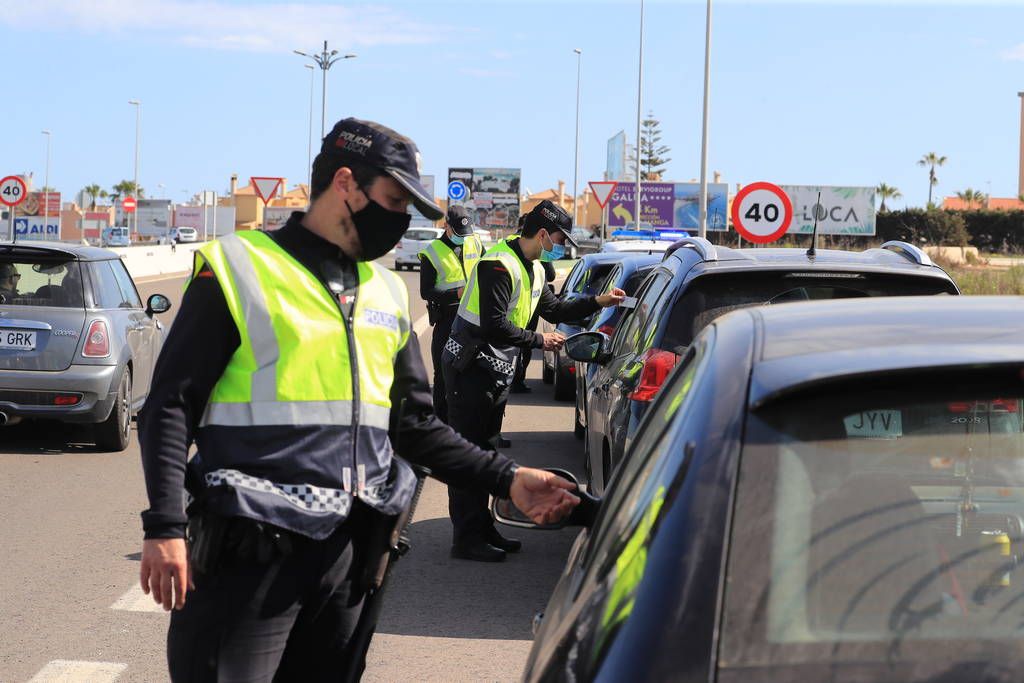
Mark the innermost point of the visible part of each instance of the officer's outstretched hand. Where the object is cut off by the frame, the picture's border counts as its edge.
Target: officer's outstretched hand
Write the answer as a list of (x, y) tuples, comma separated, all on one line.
[(544, 497), (165, 571), (612, 298)]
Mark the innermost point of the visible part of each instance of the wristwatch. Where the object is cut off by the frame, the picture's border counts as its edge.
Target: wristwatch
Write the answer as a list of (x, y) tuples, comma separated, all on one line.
[(507, 477)]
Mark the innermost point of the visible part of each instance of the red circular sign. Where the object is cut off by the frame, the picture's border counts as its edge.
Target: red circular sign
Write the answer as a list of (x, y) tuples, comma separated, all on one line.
[(128, 204), (762, 212), (12, 190)]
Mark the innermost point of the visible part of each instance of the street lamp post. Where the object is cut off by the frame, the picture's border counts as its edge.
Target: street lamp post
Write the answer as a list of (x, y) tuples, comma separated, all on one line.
[(325, 60), (46, 184), (309, 136), (135, 187), (702, 226), (639, 106), (576, 155)]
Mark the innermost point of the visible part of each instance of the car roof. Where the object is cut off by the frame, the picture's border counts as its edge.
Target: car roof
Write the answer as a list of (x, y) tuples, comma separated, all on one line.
[(636, 245), (810, 343), (81, 252), (597, 257)]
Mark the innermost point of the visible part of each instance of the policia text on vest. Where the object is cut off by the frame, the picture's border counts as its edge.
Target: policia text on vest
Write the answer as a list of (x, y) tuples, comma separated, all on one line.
[(505, 292), (292, 366)]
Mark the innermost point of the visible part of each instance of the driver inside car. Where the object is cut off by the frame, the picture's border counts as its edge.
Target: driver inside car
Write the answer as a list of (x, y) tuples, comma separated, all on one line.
[(9, 277)]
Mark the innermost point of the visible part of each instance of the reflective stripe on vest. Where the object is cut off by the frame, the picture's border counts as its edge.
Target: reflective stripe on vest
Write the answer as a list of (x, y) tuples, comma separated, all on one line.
[(521, 308), (451, 271)]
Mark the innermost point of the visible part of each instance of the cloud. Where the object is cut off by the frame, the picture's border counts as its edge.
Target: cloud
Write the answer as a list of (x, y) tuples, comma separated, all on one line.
[(217, 24), (1014, 54)]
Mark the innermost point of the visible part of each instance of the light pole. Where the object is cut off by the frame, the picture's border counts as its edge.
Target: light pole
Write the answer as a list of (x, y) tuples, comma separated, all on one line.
[(576, 155), (639, 104), (325, 60), (702, 226), (46, 184), (135, 187), (309, 136)]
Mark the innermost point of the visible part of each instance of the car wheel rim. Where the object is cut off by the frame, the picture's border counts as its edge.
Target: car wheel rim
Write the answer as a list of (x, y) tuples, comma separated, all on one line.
[(125, 401)]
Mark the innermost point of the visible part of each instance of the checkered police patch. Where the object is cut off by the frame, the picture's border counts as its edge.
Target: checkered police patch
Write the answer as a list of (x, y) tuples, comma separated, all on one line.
[(304, 496)]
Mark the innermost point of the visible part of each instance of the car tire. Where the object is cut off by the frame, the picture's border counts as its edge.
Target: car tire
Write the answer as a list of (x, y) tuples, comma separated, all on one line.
[(565, 386), (547, 375), (587, 468), (112, 434)]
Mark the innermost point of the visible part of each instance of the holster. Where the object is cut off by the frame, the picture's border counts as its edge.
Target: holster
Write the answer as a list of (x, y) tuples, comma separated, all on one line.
[(468, 351), (216, 541), (433, 313)]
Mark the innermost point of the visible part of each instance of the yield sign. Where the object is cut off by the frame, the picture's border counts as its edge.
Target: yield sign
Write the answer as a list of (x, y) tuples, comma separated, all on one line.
[(266, 188), (602, 190)]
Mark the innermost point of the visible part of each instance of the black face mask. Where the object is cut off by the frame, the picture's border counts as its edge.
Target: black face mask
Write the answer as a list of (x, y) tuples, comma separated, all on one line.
[(379, 230)]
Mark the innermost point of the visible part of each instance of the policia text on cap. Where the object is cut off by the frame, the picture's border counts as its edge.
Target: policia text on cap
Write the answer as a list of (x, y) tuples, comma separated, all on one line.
[(292, 366), (505, 291)]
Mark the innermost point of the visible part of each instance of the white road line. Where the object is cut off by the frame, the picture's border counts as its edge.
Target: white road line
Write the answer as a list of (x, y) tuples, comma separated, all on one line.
[(421, 325), (137, 601), (68, 671)]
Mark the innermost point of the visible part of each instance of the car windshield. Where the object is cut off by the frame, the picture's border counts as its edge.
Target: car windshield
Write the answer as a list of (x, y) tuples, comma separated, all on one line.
[(712, 296), (880, 531), (51, 280)]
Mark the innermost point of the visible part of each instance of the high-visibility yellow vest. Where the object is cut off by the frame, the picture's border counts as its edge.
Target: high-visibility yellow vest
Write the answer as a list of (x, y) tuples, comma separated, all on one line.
[(452, 271), (525, 296), (297, 424)]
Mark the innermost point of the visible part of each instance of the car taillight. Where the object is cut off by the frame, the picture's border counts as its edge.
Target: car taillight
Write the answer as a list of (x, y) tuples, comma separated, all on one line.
[(607, 330), (1005, 405), (66, 399), (1008, 405), (97, 342), (657, 365)]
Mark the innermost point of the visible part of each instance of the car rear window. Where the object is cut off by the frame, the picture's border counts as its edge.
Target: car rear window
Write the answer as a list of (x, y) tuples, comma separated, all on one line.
[(712, 296), (880, 531), (46, 280)]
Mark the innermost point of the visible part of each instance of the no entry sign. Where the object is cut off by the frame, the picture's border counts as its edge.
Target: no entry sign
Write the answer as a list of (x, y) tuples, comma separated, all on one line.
[(762, 212), (128, 204)]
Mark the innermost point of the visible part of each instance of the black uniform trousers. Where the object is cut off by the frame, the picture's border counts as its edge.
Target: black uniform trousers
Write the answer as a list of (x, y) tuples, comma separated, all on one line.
[(476, 407), (442, 330), (288, 619)]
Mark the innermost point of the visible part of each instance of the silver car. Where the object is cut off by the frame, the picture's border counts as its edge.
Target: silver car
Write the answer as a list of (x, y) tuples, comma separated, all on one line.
[(413, 242), (76, 343)]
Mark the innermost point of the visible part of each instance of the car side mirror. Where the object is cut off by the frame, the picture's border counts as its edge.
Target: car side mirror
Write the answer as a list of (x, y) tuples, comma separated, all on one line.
[(157, 303), (505, 512), (589, 347)]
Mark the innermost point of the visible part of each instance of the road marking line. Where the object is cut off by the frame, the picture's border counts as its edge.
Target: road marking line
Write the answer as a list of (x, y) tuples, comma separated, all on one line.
[(137, 601), (69, 671), (421, 325)]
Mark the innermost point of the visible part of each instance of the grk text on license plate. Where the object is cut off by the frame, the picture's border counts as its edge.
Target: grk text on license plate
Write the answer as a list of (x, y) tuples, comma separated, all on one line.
[(874, 424), (23, 340)]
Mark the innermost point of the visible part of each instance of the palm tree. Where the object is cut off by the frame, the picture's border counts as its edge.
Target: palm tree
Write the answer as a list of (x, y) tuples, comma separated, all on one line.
[(931, 160), (886, 192), (126, 188), (95, 192), (970, 197)]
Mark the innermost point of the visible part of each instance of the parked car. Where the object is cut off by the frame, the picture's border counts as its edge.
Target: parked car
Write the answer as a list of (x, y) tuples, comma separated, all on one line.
[(587, 278), (627, 275), (636, 246), (115, 236), (185, 234), (696, 284), (412, 243), (831, 491), (76, 343)]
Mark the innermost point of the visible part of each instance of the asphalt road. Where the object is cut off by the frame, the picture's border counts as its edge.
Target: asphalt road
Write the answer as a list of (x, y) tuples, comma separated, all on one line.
[(70, 608)]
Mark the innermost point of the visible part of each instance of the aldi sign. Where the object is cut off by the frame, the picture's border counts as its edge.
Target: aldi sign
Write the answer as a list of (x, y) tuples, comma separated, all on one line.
[(37, 228)]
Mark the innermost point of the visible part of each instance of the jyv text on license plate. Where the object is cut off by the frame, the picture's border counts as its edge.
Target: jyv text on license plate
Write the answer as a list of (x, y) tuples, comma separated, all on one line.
[(874, 424)]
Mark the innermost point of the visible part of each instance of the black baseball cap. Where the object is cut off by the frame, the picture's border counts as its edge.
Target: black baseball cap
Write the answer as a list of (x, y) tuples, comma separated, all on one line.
[(380, 147), (459, 221), (549, 215)]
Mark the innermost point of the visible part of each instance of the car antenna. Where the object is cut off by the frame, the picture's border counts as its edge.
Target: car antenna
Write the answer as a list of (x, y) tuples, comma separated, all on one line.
[(812, 251)]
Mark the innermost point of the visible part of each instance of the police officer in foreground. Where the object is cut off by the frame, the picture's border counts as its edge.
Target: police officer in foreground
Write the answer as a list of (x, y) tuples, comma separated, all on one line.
[(292, 366), (505, 293), (445, 265)]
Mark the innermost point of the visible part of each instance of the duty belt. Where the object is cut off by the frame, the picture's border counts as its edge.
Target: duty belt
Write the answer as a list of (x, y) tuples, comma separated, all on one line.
[(498, 365)]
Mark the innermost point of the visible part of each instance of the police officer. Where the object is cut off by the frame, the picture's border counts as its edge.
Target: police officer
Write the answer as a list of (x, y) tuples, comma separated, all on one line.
[(292, 366), (445, 265), (506, 290), (519, 385)]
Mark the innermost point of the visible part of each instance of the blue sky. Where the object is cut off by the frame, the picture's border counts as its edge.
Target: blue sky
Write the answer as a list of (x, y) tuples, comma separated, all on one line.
[(846, 93)]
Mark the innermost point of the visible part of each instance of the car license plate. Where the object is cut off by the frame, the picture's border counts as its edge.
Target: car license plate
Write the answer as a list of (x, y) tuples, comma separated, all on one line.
[(23, 340), (874, 424)]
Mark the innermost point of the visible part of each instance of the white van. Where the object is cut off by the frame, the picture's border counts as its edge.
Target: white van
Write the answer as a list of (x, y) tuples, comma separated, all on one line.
[(115, 236)]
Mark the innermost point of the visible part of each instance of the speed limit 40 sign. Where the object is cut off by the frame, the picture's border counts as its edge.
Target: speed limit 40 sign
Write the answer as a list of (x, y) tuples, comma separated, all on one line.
[(12, 190), (762, 212)]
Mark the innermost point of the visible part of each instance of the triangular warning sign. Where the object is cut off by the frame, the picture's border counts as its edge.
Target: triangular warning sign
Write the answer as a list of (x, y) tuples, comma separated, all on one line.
[(602, 190), (266, 188)]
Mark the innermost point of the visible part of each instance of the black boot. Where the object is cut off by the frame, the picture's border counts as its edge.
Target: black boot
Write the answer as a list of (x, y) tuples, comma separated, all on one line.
[(478, 551), (509, 545)]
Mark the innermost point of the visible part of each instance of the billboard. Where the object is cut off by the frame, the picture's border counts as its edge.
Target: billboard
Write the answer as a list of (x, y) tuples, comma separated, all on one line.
[(848, 210), (274, 217), (39, 204), (615, 166), (192, 217), (418, 219), (37, 228), (665, 206), (493, 195)]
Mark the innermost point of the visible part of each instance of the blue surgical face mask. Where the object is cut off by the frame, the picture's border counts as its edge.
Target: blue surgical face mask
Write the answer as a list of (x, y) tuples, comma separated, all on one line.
[(457, 239), (556, 252)]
